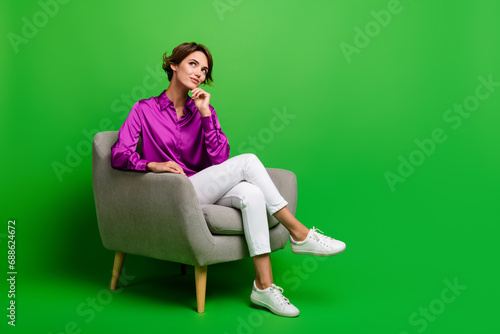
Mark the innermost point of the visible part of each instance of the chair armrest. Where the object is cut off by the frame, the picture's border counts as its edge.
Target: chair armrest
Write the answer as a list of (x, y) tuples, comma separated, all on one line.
[(286, 182), (151, 214)]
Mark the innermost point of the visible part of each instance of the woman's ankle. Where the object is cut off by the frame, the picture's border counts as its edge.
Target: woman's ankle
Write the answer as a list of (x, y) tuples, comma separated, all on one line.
[(299, 235), (262, 284)]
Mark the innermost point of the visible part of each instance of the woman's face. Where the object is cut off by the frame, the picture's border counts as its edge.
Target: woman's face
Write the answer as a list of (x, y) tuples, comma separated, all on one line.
[(191, 72)]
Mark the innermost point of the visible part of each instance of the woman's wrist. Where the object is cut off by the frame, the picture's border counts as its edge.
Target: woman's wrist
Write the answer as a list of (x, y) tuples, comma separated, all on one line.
[(205, 112), (150, 166)]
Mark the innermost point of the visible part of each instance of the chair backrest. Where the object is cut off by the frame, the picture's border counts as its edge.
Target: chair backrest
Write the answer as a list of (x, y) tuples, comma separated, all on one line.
[(101, 169), (104, 140), (101, 156)]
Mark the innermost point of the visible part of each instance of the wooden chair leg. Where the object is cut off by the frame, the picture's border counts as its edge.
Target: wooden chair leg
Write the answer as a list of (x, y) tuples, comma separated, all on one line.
[(117, 269), (183, 269), (200, 276)]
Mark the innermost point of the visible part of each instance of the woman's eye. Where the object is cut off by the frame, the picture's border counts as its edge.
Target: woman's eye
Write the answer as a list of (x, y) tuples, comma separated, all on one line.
[(204, 71), (192, 63)]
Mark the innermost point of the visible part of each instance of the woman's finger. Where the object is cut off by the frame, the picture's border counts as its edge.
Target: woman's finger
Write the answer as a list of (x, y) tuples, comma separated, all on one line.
[(179, 169), (197, 92)]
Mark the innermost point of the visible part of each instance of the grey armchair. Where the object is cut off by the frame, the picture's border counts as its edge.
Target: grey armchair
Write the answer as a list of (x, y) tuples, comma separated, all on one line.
[(158, 215)]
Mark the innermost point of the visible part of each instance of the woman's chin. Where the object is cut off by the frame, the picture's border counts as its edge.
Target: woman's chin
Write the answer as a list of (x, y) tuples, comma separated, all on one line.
[(191, 86)]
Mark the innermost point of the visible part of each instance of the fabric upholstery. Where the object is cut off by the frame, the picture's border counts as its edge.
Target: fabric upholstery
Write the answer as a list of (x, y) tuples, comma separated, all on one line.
[(224, 220)]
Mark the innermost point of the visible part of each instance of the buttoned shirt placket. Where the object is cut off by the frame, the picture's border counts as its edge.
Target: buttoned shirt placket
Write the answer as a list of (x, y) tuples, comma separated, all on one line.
[(178, 132)]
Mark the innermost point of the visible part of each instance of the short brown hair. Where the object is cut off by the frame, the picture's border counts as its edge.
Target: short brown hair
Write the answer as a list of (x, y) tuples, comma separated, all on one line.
[(182, 51)]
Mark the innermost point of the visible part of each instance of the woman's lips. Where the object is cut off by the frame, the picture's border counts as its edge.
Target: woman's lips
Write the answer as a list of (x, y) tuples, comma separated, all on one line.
[(194, 80)]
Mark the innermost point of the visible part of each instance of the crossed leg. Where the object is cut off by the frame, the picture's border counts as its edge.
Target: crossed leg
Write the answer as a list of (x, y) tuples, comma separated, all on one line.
[(244, 183)]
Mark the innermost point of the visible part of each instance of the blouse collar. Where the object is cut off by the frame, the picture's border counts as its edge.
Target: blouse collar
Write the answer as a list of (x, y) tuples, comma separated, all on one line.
[(165, 102)]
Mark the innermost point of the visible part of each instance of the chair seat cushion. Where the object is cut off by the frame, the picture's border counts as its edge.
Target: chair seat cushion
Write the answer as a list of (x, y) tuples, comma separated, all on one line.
[(225, 220)]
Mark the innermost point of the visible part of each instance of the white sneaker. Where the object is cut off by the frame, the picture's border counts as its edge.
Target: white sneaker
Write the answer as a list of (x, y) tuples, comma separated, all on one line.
[(273, 299), (317, 244)]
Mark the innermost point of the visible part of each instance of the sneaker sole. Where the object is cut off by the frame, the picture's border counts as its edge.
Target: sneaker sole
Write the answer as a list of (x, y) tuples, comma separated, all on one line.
[(270, 308), (303, 252)]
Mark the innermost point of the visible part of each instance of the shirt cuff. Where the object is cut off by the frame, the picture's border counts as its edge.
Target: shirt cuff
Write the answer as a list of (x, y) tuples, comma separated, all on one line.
[(207, 123), (141, 165)]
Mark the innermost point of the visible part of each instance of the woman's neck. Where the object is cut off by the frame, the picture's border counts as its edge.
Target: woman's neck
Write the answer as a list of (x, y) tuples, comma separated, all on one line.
[(177, 94)]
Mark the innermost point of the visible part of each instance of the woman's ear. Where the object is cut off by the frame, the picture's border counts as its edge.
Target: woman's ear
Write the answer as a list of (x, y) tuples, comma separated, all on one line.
[(173, 67)]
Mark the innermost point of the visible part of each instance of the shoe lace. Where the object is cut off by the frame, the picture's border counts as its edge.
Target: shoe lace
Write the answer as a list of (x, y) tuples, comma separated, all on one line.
[(320, 236), (278, 291)]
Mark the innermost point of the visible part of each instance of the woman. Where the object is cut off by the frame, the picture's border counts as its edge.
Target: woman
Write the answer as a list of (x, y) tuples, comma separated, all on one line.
[(182, 135)]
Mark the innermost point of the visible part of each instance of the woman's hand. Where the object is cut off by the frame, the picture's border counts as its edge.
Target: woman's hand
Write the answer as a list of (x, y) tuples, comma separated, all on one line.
[(201, 101), (168, 166)]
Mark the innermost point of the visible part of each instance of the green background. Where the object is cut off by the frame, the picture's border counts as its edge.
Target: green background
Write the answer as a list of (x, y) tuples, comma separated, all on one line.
[(351, 120)]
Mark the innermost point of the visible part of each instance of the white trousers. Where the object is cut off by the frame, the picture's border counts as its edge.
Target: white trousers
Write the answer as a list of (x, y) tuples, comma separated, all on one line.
[(242, 182)]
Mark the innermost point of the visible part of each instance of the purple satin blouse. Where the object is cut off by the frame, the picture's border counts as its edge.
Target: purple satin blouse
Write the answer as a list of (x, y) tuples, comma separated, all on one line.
[(194, 142)]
